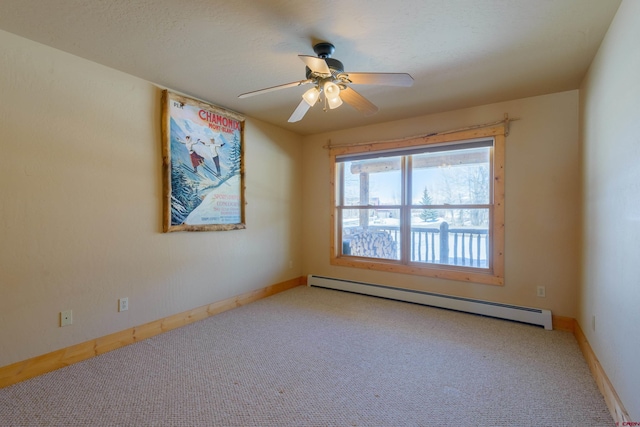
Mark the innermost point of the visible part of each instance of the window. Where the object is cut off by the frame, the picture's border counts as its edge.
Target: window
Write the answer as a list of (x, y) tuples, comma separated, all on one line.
[(431, 206)]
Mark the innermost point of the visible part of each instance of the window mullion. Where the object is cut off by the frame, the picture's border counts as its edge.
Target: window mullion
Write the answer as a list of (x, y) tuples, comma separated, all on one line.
[(405, 211), (339, 177)]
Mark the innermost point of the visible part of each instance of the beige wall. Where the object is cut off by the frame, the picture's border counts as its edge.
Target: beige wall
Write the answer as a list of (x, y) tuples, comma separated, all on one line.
[(80, 205), (81, 200), (610, 124), (542, 201)]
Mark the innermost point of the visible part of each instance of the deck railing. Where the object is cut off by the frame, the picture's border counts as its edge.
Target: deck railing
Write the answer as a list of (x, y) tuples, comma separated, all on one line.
[(434, 244)]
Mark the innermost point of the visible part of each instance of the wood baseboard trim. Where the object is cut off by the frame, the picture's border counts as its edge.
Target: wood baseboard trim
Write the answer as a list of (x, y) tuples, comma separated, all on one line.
[(562, 323), (616, 408), (20, 371)]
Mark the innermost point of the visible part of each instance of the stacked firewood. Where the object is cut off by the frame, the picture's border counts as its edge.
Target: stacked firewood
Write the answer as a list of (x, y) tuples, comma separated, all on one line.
[(373, 244)]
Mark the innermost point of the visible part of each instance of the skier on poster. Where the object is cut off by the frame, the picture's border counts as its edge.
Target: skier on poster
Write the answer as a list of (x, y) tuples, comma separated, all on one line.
[(196, 159), (213, 148)]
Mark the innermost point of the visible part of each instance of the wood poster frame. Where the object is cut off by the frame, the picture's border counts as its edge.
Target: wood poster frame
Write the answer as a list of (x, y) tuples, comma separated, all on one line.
[(202, 166)]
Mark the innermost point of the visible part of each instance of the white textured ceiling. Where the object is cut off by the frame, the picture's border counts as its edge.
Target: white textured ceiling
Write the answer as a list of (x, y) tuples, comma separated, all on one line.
[(461, 53)]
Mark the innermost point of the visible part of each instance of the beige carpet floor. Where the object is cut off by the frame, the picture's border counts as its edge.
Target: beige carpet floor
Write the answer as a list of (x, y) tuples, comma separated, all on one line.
[(317, 357)]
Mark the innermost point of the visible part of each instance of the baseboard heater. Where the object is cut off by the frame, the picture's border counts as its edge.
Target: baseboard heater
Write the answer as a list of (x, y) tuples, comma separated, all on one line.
[(534, 316)]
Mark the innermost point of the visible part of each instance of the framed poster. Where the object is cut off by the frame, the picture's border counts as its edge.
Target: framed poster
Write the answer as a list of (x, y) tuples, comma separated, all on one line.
[(202, 166)]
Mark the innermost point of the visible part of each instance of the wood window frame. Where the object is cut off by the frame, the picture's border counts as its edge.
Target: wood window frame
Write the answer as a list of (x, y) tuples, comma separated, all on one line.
[(494, 275)]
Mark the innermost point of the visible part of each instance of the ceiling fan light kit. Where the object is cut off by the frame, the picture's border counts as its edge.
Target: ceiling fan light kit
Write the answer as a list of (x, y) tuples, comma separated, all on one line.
[(311, 96), (332, 94), (328, 76)]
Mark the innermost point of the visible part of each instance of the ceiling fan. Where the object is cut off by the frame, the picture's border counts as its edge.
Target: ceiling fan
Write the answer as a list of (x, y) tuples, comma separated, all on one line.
[(329, 78)]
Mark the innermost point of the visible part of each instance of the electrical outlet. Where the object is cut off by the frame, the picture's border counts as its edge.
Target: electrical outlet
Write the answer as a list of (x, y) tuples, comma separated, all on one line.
[(66, 318), (542, 292), (123, 304)]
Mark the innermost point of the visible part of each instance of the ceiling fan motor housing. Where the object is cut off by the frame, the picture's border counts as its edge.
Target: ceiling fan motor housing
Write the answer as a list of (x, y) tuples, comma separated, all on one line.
[(335, 67), (325, 50)]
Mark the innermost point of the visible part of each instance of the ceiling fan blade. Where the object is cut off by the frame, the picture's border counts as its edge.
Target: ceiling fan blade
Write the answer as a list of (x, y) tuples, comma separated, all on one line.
[(299, 112), (316, 64), (387, 79), (271, 89), (358, 101)]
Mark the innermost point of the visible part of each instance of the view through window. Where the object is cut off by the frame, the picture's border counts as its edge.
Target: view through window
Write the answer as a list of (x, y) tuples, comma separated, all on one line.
[(425, 209)]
